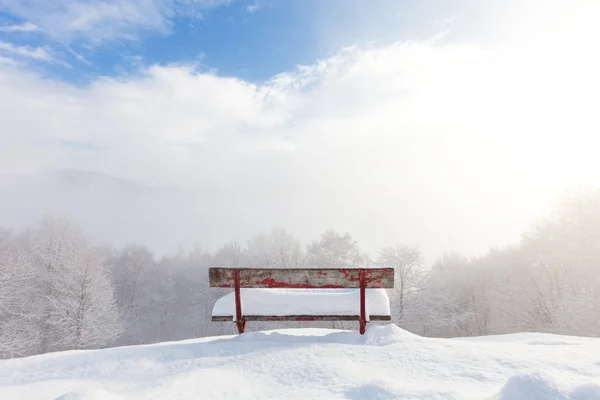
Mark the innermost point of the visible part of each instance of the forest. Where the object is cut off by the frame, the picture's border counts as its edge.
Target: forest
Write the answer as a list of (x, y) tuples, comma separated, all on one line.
[(59, 290)]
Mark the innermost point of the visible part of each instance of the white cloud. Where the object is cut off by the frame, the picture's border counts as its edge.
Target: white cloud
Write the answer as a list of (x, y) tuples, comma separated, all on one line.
[(25, 27), (447, 21), (251, 8), (448, 146), (7, 61), (36, 53), (412, 142), (78, 56), (101, 21)]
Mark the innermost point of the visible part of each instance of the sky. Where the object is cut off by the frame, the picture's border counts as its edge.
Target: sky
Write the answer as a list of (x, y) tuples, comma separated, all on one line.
[(446, 125)]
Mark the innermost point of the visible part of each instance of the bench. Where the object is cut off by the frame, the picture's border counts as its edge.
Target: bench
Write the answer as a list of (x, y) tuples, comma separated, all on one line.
[(303, 278)]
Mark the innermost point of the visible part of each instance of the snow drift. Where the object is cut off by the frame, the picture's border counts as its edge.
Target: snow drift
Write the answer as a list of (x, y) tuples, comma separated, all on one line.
[(386, 363)]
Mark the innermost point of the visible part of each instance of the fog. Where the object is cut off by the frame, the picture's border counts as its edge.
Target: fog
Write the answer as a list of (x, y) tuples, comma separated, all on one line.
[(462, 152)]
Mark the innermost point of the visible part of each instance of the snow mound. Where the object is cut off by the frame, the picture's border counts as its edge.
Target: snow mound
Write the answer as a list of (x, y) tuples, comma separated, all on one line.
[(87, 395), (532, 386), (590, 391), (374, 391), (385, 363), (532, 338), (538, 386), (375, 335), (304, 302), (380, 335)]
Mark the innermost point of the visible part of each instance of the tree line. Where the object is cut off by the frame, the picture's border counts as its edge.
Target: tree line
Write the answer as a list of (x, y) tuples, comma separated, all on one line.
[(59, 291)]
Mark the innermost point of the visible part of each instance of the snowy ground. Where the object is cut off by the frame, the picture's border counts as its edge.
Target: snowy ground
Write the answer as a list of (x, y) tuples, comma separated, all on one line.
[(386, 363)]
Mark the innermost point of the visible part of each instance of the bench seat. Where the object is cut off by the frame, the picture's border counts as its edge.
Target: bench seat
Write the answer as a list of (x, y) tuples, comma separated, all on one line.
[(302, 304)]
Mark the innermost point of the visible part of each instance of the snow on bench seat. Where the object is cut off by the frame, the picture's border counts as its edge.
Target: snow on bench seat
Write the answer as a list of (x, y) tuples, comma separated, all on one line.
[(337, 304)]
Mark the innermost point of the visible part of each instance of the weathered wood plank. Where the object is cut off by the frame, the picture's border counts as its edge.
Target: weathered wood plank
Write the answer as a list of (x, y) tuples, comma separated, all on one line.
[(323, 278), (221, 318)]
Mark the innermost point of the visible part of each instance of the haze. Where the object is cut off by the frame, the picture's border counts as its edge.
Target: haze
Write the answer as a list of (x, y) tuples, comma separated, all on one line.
[(445, 127)]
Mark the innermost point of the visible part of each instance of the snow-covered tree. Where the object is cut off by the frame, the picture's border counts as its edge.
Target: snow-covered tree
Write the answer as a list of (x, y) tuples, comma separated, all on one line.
[(335, 250), (91, 318), (407, 262), (18, 333), (56, 243), (74, 296), (231, 254), (144, 294), (274, 249)]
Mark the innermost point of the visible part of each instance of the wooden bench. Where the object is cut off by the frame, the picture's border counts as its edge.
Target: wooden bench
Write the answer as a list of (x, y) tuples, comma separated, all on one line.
[(301, 278)]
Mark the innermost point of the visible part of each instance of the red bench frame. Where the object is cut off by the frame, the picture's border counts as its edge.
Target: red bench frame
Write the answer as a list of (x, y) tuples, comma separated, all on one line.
[(307, 278)]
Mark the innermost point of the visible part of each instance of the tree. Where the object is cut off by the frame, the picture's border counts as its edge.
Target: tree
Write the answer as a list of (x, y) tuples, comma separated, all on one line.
[(446, 294), (74, 297), (91, 316), (55, 244), (335, 250), (407, 262), (144, 294), (562, 253), (274, 249), (230, 255), (193, 300), (18, 333)]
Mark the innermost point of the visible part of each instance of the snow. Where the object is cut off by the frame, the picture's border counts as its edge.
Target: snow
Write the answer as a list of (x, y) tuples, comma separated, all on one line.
[(386, 363), (304, 302), (537, 386)]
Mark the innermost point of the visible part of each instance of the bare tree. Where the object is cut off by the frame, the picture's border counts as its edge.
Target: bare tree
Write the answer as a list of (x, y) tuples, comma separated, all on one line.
[(230, 255), (335, 250), (70, 296), (274, 249), (90, 314), (144, 294), (56, 242), (407, 262), (18, 333)]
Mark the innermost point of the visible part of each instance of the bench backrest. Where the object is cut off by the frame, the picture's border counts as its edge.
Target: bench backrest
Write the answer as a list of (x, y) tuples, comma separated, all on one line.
[(307, 278)]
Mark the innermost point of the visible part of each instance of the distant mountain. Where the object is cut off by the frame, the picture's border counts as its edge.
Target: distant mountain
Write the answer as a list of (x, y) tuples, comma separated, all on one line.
[(110, 209)]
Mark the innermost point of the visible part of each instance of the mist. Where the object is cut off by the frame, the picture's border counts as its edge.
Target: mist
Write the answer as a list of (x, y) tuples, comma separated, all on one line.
[(467, 146), (392, 143), (548, 281)]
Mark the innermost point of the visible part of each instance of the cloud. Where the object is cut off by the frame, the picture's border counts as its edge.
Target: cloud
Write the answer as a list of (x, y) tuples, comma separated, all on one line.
[(102, 21), (25, 27), (36, 53), (448, 146), (447, 21), (78, 56), (254, 7), (7, 61)]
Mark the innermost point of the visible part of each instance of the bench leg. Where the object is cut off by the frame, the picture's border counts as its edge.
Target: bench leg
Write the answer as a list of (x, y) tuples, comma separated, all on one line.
[(240, 322), (363, 311), (241, 326)]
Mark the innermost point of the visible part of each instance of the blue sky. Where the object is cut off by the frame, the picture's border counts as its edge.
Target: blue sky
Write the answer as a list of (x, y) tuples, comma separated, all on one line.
[(420, 122), (253, 40)]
